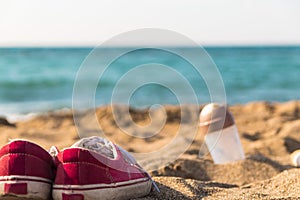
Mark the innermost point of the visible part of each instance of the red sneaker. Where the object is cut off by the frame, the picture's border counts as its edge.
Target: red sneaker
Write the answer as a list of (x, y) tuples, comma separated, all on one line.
[(25, 171), (95, 168)]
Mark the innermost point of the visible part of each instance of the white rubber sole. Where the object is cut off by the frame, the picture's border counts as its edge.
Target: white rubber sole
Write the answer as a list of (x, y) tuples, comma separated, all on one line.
[(32, 187), (118, 191)]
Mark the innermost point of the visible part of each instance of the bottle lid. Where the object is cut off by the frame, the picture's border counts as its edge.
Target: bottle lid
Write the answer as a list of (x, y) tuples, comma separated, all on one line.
[(215, 117)]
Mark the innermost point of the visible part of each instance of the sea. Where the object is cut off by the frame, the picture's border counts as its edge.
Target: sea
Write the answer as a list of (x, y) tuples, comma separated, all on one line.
[(37, 80)]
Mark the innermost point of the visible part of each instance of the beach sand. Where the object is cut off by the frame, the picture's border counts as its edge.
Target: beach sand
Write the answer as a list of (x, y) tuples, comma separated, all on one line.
[(269, 132)]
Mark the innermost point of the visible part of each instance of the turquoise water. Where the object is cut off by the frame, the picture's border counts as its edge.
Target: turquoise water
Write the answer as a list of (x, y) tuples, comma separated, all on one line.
[(41, 79)]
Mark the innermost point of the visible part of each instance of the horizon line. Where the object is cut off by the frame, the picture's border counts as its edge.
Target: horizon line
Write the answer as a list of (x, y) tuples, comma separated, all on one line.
[(130, 46)]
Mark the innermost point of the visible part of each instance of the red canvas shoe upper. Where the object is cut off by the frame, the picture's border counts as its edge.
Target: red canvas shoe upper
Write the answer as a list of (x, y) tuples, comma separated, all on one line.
[(25, 158), (79, 166)]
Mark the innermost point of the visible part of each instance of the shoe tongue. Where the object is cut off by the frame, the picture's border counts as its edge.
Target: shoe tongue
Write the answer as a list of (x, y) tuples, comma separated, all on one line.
[(97, 144)]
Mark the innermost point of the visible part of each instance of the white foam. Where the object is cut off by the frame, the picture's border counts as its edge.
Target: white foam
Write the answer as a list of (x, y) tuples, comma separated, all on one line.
[(13, 118)]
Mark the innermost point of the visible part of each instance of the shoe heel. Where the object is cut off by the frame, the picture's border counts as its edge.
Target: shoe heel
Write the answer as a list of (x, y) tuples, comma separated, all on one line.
[(15, 188), (26, 171), (72, 196)]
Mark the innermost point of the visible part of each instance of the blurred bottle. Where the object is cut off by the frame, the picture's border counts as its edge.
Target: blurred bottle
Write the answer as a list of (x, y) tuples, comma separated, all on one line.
[(221, 134), (295, 157)]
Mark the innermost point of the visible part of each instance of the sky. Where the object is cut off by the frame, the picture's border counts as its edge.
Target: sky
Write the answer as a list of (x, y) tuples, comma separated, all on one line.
[(90, 22)]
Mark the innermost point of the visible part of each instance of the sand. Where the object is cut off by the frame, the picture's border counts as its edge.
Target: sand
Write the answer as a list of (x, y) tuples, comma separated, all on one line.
[(269, 132)]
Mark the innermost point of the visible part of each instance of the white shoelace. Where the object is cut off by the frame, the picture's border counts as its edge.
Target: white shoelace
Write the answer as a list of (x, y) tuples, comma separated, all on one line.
[(97, 144)]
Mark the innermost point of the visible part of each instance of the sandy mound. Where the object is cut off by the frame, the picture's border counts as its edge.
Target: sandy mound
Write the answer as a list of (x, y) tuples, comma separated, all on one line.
[(283, 186)]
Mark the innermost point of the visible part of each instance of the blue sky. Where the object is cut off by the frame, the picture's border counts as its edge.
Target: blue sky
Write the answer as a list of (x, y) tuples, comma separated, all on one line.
[(90, 22)]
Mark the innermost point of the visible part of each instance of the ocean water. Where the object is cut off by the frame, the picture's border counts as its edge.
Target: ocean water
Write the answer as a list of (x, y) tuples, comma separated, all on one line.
[(42, 79)]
